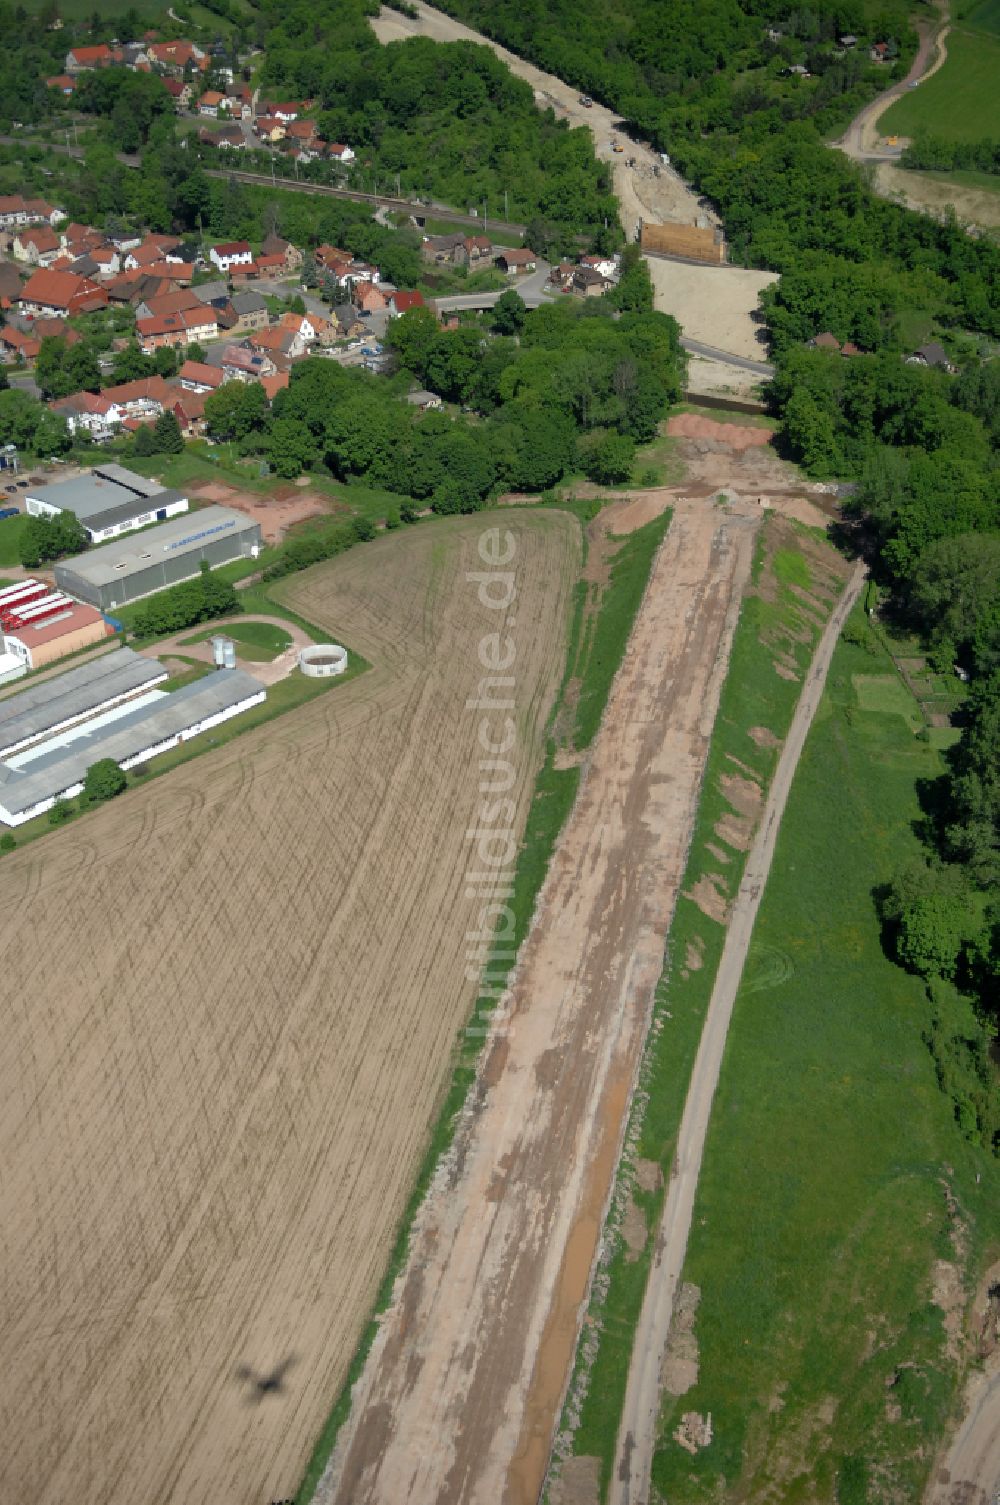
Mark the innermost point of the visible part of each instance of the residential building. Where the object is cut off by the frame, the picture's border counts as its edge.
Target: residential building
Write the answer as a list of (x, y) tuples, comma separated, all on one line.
[(517, 262), (401, 300), (58, 295), (16, 210), (932, 354), (61, 628), (210, 102), (251, 312), (439, 249), (37, 247), (269, 128), (175, 56), (606, 265), (588, 282), (196, 376), (185, 327), (15, 345), (229, 138), (242, 364), (62, 83), (346, 322), (474, 251), (275, 246), (174, 302), (230, 254), (340, 153), (100, 56)]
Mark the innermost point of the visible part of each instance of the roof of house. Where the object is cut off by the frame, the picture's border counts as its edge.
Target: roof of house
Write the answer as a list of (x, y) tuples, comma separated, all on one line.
[(232, 248), (26, 345), (275, 260), (477, 243), (56, 289), (587, 277), (199, 371), (273, 339), (173, 302), (248, 303), (826, 341), (518, 256), (60, 81), (174, 86), (152, 388), (42, 238), (96, 54), (402, 300), (933, 353), (36, 634), (274, 384), (212, 97), (208, 292)]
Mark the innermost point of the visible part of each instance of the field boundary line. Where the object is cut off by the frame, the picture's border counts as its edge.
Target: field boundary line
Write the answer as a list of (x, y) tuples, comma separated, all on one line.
[(638, 1427)]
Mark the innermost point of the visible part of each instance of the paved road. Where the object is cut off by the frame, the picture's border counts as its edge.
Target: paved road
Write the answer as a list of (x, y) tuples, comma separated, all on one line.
[(857, 141), (534, 290), (759, 368), (638, 1430), (970, 1473)]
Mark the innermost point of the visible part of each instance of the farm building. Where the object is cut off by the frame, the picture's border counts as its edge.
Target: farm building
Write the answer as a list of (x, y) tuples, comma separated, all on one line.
[(47, 774), (131, 568), (39, 626), (108, 501), (47, 708)]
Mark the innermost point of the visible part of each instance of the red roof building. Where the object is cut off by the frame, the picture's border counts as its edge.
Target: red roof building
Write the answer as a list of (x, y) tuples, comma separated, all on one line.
[(59, 294)]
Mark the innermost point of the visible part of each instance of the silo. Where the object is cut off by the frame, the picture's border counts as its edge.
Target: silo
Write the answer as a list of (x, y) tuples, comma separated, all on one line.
[(229, 654)]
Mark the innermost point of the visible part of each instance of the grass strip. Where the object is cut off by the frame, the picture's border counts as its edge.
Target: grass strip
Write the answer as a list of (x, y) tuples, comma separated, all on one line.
[(754, 695)]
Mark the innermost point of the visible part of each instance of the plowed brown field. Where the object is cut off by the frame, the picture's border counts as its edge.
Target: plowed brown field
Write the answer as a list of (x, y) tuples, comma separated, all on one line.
[(229, 1005)]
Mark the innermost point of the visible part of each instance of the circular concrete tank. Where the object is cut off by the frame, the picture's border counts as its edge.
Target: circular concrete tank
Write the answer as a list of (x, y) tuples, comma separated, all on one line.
[(322, 659)]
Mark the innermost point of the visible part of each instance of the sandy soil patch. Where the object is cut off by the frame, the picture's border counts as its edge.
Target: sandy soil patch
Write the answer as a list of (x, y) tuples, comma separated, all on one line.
[(633, 1231), (460, 1395), (648, 1176), (709, 893), (936, 195), (715, 378), (734, 436), (763, 737), (679, 1371), (579, 1483), (714, 305), (276, 511), (635, 511), (743, 794), (211, 1115), (694, 954)]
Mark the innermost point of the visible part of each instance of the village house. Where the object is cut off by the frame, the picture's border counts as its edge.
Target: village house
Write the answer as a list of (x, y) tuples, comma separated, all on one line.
[(286, 112), (345, 322), (174, 57), (275, 246), (588, 282), (269, 128), (15, 210), (210, 102), (196, 376), (106, 260), (62, 83), (474, 251), (279, 343), (229, 138), (401, 300), (606, 265), (231, 253), (57, 295), (78, 59), (368, 298), (87, 411), (15, 345), (340, 153), (933, 355), (517, 262), (251, 312), (441, 249), (167, 303), (186, 327), (37, 247), (882, 52), (239, 363)]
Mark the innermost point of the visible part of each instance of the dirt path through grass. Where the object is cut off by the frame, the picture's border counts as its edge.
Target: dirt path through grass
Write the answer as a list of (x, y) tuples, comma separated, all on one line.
[(640, 1416)]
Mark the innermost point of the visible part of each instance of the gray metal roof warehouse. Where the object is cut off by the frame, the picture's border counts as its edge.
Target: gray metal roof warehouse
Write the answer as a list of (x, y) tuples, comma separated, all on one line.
[(52, 773), (130, 568), (79, 692), (108, 496)]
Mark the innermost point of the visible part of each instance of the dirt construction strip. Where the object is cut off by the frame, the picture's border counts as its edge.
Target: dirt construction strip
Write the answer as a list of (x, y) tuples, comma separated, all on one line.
[(460, 1394), (638, 1428), (970, 1473)]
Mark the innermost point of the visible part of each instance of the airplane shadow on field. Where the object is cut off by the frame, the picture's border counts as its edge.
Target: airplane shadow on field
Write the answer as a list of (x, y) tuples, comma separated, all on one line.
[(263, 1383)]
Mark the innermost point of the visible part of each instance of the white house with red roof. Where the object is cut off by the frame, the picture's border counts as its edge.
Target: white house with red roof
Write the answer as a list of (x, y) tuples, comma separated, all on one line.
[(232, 253)]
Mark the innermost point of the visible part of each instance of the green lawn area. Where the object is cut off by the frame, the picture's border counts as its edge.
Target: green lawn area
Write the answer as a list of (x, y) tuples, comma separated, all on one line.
[(961, 101), (888, 694), (984, 16), (754, 695), (258, 641), (821, 1207), (11, 530)]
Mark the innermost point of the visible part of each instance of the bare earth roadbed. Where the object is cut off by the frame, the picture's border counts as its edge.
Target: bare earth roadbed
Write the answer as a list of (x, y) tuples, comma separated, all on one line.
[(229, 1009), (459, 1395)]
